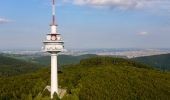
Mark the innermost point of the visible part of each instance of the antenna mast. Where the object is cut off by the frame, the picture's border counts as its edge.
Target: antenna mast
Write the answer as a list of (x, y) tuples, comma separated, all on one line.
[(53, 12)]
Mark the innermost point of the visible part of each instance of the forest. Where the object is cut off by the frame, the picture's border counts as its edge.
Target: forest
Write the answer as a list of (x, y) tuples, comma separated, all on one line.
[(161, 62), (96, 78), (10, 66)]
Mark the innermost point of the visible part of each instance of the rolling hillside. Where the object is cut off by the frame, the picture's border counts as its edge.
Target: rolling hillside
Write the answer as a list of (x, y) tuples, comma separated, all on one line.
[(45, 60), (63, 59), (159, 61), (22, 64), (98, 78), (10, 66)]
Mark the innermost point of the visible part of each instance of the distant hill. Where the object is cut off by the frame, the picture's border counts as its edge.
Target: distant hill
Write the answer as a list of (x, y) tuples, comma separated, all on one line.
[(62, 59), (159, 61), (13, 64), (10, 66), (97, 78)]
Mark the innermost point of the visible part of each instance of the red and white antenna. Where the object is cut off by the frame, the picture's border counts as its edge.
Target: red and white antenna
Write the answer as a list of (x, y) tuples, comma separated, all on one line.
[(53, 12), (53, 24)]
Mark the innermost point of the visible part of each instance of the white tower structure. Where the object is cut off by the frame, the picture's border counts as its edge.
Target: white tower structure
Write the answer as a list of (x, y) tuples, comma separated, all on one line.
[(53, 45)]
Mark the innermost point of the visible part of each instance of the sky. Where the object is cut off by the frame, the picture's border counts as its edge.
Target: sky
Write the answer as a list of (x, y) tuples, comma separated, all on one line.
[(86, 23)]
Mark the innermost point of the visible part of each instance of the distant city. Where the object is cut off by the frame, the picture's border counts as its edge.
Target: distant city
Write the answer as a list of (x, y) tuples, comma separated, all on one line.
[(123, 52)]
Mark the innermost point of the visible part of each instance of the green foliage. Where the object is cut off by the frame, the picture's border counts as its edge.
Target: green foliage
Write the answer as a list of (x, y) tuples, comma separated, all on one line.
[(98, 78), (64, 59), (45, 93), (158, 61), (55, 96), (10, 66), (104, 61), (106, 78), (24, 86), (70, 97)]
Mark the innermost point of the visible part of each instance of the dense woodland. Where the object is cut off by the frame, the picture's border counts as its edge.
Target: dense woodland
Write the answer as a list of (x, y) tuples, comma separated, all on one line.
[(45, 60), (97, 78), (158, 61), (14, 64), (10, 66), (64, 59), (161, 62)]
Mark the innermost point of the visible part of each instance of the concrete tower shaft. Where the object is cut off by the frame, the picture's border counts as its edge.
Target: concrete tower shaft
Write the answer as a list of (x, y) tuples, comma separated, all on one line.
[(54, 75)]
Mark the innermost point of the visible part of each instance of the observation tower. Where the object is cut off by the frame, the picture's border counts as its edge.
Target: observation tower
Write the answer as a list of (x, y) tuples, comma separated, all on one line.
[(53, 45)]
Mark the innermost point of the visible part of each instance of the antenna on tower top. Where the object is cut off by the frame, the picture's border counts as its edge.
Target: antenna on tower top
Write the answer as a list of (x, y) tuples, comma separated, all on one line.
[(53, 12)]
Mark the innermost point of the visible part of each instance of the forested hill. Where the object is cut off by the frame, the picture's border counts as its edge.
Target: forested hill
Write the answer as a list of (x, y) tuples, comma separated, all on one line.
[(159, 61), (45, 60), (10, 66), (98, 78), (63, 59)]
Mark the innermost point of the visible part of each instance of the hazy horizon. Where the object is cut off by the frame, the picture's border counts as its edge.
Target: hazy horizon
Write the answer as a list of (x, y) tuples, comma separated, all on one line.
[(83, 49)]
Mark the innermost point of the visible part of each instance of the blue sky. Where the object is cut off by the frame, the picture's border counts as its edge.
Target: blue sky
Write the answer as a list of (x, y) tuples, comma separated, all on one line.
[(86, 23)]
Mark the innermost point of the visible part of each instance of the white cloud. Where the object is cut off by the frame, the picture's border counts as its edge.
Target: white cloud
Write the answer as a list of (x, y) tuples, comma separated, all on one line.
[(123, 4), (108, 3), (3, 20), (143, 33)]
